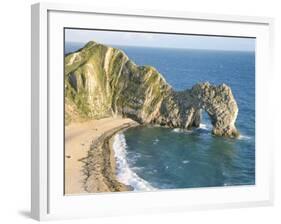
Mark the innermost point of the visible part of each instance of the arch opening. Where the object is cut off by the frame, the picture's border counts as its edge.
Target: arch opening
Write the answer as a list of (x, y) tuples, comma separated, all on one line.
[(205, 122)]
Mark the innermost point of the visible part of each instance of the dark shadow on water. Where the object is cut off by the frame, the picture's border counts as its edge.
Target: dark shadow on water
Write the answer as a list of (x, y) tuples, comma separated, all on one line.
[(199, 131)]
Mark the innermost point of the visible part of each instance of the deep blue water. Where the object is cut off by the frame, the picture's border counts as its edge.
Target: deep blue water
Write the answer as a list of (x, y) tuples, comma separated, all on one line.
[(170, 158)]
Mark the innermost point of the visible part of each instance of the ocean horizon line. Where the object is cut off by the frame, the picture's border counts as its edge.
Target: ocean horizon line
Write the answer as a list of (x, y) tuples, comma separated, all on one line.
[(160, 47)]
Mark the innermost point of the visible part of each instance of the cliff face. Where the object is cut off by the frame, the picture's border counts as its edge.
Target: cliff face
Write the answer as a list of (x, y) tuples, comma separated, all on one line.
[(101, 81)]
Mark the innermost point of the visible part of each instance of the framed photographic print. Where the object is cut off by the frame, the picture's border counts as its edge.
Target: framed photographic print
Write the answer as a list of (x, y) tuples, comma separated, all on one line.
[(148, 111)]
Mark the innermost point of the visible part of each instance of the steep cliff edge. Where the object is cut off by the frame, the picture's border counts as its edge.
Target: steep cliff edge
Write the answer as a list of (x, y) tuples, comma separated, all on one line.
[(101, 81)]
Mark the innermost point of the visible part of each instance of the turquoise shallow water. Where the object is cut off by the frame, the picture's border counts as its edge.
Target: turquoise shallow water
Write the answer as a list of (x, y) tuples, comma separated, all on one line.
[(161, 158)]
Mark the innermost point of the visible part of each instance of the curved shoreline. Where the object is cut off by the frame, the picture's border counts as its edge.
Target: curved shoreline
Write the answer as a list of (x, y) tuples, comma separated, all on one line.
[(100, 165), (89, 164)]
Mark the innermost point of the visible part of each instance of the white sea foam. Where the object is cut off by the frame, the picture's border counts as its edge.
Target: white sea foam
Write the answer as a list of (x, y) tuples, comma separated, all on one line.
[(244, 137), (176, 130), (205, 126), (155, 141), (185, 161), (181, 130), (124, 173), (201, 126)]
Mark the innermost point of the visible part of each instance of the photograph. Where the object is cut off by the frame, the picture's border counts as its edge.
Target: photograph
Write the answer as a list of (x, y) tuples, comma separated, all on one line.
[(151, 111)]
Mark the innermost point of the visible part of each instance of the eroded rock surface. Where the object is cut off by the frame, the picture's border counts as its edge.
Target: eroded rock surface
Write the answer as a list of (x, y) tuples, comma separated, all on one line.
[(101, 81), (219, 103)]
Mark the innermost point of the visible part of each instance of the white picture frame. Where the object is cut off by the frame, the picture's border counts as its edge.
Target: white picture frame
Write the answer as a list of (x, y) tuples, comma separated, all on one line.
[(47, 199)]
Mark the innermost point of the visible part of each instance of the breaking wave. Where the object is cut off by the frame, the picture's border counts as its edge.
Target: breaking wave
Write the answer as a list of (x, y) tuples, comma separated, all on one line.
[(125, 174)]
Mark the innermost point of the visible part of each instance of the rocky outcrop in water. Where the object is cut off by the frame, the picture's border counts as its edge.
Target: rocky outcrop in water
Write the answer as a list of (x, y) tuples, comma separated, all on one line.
[(219, 103), (101, 81)]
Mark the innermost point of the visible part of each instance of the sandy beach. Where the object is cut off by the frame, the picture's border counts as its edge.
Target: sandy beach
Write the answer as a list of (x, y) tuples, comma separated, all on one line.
[(89, 158)]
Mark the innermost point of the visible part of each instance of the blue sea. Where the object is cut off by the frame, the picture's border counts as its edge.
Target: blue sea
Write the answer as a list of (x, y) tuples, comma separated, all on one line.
[(150, 158)]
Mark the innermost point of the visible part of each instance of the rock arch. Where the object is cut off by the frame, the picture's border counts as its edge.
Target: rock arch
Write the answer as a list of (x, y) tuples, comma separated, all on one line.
[(101, 81), (219, 103)]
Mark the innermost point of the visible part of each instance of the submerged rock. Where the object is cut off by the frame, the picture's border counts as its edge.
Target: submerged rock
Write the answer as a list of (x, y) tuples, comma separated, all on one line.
[(101, 81)]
